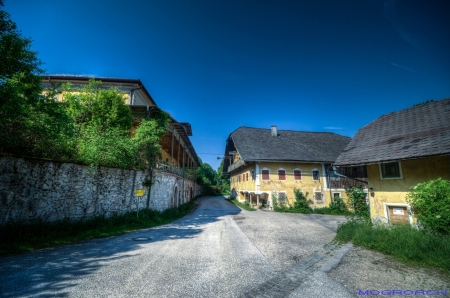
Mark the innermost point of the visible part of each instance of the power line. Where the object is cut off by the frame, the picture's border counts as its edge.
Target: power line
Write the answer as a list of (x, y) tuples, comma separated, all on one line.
[(210, 153)]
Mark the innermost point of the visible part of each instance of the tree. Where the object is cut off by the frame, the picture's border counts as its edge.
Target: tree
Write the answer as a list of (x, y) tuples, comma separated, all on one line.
[(223, 180), (103, 122), (32, 123)]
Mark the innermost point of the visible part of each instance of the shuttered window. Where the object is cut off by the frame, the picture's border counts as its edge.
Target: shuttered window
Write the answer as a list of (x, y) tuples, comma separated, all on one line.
[(265, 174), (281, 175), (297, 175)]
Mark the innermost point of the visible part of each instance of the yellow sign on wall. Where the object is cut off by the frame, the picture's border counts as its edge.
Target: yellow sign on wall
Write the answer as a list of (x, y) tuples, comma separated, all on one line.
[(139, 192)]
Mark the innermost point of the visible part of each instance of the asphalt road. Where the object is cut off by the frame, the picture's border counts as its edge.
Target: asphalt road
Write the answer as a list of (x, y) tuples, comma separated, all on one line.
[(217, 251)]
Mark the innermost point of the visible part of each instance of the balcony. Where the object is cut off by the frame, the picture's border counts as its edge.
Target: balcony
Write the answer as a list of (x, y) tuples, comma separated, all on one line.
[(236, 165), (343, 183), (162, 166)]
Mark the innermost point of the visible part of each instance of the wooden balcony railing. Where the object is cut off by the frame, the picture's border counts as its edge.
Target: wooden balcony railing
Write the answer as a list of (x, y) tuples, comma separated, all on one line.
[(343, 183), (163, 166), (236, 165)]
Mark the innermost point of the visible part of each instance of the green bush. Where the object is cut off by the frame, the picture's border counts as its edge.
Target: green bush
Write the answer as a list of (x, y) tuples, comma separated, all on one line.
[(430, 204), (338, 207), (357, 201), (300, 204)]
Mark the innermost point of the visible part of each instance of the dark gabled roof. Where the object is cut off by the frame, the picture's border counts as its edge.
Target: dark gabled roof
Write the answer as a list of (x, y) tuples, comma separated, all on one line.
[(257, 144), (420, 131)]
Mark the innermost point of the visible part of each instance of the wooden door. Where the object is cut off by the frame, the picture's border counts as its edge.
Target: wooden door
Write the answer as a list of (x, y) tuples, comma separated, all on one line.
[(398, 214)]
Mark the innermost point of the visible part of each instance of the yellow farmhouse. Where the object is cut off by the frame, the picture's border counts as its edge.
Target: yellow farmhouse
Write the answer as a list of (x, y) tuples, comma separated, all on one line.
[(269, 163), (177, 152), (400, 150)]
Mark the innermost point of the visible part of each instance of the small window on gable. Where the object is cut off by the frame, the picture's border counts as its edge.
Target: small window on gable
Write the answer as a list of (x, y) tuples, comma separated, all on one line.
[(315, 174), (265, 174), (281, 174), (390, 170), (297, 174)]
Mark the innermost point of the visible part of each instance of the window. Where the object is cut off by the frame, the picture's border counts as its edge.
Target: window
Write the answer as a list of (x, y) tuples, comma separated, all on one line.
[(297, 174), (390, 170), (246, 176), (315, 174), (239, 178), (281, 174), (265, 174), (318, 196), (282, 198), (336, 195)]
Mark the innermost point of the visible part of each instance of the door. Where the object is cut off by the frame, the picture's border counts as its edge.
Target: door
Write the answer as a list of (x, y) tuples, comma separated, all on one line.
[(398, 214)]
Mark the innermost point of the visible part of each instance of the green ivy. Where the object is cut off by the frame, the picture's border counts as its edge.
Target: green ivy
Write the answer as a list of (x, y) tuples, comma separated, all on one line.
[(357, 200)]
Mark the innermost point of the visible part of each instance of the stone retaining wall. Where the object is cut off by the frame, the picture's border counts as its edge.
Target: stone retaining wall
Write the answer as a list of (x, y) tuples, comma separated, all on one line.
[(37, 189)]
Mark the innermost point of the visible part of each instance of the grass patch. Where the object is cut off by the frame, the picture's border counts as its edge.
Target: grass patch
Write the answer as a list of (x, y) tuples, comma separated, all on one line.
[(17, 237), (404, 242), (245, 206)]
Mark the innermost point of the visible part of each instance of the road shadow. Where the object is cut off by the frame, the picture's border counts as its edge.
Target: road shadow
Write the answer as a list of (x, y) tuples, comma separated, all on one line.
[(54, 272)]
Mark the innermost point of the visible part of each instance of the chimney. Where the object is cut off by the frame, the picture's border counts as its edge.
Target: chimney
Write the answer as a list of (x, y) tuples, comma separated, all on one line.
[(274, 131)]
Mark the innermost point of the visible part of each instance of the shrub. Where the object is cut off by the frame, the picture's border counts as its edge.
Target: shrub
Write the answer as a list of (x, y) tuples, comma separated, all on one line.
[(357, 200), (430, 203), (337, 206), (301, 205)]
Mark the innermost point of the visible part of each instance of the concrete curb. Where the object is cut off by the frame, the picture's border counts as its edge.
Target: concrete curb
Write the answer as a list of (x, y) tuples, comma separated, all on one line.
[(334, 261)]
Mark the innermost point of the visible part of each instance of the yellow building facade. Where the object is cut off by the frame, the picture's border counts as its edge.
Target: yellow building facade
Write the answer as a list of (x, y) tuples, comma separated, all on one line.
[(388, 201), (400, 150), (259, 181)]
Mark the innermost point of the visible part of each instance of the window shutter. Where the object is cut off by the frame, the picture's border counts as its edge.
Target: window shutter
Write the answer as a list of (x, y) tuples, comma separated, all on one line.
[(297, 175), (281, 175), (265, 174)]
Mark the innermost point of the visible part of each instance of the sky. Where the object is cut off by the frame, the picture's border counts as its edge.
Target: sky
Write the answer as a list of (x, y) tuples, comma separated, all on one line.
[(322, 66)]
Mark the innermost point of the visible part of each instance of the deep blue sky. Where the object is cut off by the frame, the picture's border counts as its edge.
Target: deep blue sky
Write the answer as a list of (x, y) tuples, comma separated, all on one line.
[(301, 65)]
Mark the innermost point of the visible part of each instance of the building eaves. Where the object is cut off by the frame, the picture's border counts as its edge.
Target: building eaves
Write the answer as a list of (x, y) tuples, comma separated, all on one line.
[(417, 132)]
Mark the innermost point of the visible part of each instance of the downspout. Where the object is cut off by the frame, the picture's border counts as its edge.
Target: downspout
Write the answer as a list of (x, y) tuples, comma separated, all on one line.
[(184, 174), (132, 94)]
